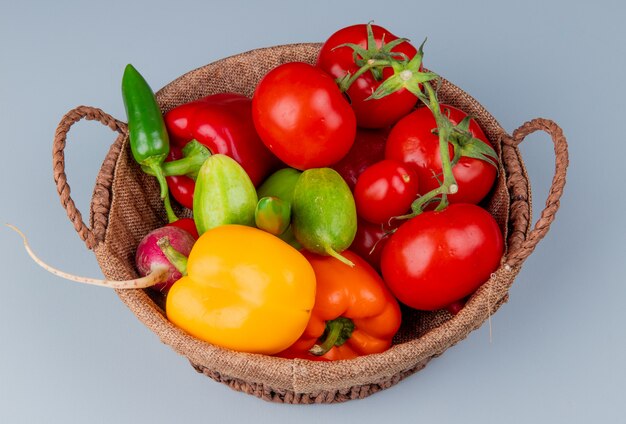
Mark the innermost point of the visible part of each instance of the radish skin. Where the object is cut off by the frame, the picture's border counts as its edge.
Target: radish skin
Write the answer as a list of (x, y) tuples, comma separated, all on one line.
[(158, 273), (150, 253)]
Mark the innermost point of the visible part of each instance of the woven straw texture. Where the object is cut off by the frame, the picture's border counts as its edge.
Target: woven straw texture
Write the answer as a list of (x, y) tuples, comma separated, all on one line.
[(125, 206)]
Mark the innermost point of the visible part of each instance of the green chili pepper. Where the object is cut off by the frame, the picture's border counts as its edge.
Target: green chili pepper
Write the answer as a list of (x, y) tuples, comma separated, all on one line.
[(149, 141)]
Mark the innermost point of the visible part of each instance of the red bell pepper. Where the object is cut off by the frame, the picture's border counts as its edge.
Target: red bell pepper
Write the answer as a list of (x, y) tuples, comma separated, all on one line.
[(223, 123), (186, 224)]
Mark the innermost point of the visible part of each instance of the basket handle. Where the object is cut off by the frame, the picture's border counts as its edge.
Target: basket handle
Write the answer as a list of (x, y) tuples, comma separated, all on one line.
[(520, 247), (100, 203)]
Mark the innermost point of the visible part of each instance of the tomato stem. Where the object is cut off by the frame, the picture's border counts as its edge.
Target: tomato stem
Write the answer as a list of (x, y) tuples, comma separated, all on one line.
[(408, 74), (348, 79), (444, 130)]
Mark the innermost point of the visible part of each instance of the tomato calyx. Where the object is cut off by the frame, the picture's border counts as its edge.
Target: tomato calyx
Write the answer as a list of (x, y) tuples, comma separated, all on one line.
[(466, 145), (337, 332), (370, 58), (407, 73)]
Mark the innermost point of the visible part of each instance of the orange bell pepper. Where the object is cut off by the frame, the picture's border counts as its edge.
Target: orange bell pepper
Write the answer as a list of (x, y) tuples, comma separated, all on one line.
[(354, 312)]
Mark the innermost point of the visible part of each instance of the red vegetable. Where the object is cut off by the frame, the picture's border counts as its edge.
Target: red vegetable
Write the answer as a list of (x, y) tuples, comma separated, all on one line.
[(186, 224), (302, 117), (370, 239), (456, 307), (437, 258), (149, 254), (337, 59), (223, 123), (156, 270), (368, 148), (385, 190), (414, 140)]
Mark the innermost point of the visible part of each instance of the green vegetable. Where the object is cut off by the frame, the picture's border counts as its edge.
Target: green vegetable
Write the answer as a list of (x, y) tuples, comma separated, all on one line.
[(272, 215), (223, 194), (324, 214), (194, 155), (281, 185), (149, 141)]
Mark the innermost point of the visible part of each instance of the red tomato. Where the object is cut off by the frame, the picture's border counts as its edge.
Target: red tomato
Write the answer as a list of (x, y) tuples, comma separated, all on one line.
[(384, 190), (455, 307), (413, 141), (302, 116), (338, 61), (368, 148), (370, 240), (438, 258)]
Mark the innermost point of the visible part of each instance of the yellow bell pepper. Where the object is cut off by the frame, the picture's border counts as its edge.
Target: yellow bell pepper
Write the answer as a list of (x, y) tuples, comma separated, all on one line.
[(245, 290)]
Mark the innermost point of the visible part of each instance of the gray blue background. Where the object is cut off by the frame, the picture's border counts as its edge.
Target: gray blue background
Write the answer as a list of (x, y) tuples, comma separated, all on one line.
[(553, 353)]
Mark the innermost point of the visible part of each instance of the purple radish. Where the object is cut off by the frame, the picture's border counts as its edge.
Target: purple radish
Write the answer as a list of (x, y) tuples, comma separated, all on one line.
[(150, 253), (157, 270)]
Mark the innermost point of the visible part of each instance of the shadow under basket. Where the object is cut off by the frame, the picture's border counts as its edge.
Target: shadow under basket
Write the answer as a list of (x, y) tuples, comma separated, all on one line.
[(126, 205)]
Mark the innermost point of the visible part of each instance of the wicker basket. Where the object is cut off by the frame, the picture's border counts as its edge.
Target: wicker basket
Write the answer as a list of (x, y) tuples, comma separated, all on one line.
[(126, 205)]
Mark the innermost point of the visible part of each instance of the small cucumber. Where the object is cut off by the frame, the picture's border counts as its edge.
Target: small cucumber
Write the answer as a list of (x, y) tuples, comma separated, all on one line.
[(280, 184), (324, 214), (224, 194)]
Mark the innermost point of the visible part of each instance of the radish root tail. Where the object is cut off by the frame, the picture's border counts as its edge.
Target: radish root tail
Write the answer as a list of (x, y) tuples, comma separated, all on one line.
[(157, 275)]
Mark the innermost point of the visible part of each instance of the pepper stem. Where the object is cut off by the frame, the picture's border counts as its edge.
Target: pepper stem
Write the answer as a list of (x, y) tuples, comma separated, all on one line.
[(157, 171), (174, 256), (337, 332), (194, 155)]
